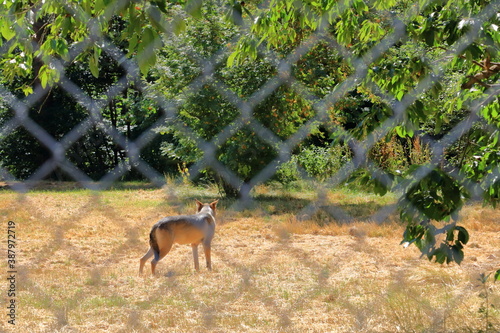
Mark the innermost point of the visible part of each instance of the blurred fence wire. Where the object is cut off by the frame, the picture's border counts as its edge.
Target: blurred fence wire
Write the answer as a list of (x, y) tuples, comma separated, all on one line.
[(21, 107)]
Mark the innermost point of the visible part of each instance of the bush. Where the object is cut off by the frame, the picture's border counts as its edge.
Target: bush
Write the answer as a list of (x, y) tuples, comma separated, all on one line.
[(318, 162)]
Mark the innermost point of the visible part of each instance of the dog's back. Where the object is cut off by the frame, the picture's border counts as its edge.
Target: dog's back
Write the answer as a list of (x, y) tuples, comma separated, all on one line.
[(183, 229)]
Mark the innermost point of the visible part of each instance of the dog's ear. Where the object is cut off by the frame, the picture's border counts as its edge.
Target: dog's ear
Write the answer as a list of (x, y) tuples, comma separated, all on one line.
[(199, 205), (214, 204)]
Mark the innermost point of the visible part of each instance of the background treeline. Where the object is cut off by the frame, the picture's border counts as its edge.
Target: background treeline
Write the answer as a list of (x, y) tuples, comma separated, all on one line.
[(321, 130), (206, 110)]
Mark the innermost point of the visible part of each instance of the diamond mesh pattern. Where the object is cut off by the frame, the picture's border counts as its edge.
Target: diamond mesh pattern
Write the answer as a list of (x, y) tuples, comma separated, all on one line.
[(58, 147)]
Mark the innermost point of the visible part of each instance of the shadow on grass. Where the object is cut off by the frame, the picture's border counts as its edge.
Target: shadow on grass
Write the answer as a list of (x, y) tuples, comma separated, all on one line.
[(267, 204), (64, 186), (276, 205), (310, 209), (363, 210)]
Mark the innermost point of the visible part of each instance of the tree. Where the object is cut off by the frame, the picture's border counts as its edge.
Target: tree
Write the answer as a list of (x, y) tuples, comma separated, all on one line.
[(251, 139), (403, 51), (52, 41)]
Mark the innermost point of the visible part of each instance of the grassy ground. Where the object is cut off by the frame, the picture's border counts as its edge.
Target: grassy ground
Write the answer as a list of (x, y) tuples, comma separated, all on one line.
[(278, 267)]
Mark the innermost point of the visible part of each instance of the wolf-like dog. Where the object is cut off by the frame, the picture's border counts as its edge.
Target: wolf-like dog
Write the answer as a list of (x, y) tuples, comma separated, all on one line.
[(182, 229)]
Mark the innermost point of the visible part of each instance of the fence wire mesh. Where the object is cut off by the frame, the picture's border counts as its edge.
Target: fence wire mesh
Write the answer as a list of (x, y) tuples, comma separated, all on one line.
[(57, 312)]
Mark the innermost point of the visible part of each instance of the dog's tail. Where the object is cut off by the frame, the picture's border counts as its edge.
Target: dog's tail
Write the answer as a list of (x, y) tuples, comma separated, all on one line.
[(154, 243)]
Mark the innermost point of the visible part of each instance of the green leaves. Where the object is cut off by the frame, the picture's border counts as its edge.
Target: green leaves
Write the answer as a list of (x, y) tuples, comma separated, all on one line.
[(418, 234), (452, 249), (194, 8), (94, 61), (371, 31), (463, 235), (48, 76), (6, 28), (384, 4), (425, 236), (246, 49), (146, 52), (58, 26), (379, 185), (436, 196), (234, 11)]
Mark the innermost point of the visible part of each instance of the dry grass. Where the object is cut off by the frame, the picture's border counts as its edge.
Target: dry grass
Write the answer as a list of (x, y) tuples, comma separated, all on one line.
[(78, 255)]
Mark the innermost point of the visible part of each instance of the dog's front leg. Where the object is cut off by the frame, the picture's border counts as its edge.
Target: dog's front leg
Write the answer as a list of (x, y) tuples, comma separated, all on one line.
[(195, 256), (206, 247)]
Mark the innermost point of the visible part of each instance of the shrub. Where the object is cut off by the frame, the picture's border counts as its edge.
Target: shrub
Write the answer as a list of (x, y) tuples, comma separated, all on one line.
[(318, 162)]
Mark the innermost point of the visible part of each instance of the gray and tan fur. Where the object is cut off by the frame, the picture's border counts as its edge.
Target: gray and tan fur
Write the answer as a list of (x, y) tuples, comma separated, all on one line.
[(182, 229)]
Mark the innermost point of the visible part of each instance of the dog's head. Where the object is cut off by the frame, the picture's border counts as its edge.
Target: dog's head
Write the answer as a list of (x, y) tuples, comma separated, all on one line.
[(206, 208)]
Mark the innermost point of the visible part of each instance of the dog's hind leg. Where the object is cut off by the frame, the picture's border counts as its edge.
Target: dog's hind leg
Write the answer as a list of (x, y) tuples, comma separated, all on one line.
[(195, 256), (145, 258), (165, 247)]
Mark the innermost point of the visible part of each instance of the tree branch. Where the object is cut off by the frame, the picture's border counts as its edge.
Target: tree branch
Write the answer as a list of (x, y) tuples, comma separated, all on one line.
[(477, 78)]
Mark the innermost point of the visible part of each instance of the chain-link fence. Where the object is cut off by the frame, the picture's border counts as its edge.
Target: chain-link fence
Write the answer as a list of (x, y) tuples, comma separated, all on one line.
[(316, 301)]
